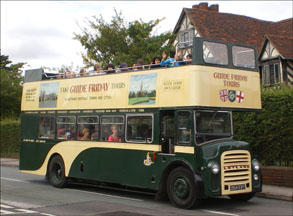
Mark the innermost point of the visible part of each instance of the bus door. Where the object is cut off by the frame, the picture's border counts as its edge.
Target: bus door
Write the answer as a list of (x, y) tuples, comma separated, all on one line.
[(184, 127), (167, 131)]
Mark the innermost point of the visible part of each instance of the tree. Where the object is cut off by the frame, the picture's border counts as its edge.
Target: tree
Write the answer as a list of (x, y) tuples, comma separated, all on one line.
[(10, 87), (120, 41)]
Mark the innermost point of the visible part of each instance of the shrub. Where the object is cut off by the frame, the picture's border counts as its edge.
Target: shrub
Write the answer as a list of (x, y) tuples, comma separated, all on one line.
[(10, 137), (269, 131)]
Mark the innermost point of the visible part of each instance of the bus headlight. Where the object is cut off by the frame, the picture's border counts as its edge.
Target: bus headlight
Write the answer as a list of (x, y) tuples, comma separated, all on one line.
[(255, 165), (255, 176), (214, 166)]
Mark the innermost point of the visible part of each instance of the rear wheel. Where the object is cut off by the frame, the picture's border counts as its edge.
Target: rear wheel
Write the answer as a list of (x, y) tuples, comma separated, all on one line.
[(56, 172), (242, 197), (181, 188)]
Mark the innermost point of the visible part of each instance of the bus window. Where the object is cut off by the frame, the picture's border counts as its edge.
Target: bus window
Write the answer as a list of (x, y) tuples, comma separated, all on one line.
[(47, 127), (215, 53), (87, 128), (243, 57), (139, 128), (66, 127), (212, 125), (184, 127), (112, 128)]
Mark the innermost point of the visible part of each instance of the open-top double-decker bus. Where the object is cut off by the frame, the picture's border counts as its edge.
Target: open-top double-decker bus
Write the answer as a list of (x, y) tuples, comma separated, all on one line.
[(168, 130)]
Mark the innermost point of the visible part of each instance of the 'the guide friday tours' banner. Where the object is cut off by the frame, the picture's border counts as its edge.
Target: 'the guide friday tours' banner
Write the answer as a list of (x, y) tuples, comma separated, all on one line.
[(172, 87)]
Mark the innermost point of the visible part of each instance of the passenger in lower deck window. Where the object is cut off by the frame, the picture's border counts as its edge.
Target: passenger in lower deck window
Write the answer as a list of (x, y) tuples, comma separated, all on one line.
[(95, 134), (86, 134), (114, 136)]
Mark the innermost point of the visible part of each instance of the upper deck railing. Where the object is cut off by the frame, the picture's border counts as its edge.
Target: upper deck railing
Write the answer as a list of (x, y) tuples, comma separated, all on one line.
[(209, 52)]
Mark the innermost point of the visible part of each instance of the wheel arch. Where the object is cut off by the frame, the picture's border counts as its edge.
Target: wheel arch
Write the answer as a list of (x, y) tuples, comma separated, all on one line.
[(49, 161), (162, 192)]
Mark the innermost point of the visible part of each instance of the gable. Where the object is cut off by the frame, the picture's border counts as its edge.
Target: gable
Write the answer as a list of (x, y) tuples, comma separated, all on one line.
[(269, 51)]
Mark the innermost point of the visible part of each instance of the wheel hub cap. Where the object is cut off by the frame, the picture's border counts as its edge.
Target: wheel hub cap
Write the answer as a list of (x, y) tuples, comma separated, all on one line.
[(181, 188)]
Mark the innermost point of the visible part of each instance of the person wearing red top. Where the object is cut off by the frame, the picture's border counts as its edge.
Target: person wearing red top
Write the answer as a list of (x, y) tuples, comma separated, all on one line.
[(114, 136)]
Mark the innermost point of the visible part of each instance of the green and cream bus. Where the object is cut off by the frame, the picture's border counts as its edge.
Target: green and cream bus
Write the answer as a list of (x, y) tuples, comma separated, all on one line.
[(167, 130)]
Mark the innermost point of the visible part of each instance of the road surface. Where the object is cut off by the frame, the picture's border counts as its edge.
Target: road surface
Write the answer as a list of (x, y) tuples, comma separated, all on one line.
[(26, 194)]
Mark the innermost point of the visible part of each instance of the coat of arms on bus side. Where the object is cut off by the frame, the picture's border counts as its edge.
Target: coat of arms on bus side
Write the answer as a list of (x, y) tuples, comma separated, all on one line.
[(232, 95), (223, 95), (148, 161)]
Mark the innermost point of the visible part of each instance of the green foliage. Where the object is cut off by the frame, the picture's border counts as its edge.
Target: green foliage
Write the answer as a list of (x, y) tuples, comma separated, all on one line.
[(120, 41), (10, 87), (10, 137), (269, 131)]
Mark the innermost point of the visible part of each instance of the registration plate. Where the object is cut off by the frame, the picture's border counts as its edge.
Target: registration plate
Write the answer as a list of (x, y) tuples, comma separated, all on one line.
[(237, 187)]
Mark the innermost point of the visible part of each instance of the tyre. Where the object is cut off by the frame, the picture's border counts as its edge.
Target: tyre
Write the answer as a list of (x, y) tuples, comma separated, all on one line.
[(181, 188), (242, 197), (56, 172)]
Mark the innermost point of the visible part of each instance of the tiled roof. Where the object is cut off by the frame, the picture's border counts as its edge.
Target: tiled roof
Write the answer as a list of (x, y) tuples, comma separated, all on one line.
[(283, 44), (234, 28)]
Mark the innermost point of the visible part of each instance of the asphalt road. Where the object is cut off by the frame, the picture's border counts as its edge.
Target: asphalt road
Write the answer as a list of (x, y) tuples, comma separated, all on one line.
[(25, 194)]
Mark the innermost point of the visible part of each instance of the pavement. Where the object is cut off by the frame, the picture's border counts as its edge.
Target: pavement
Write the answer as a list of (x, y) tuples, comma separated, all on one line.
[(268, 191)]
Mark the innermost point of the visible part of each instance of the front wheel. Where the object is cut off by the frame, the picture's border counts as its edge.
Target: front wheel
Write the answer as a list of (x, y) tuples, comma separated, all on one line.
[(242, 197), (181, 188), (56, 172)]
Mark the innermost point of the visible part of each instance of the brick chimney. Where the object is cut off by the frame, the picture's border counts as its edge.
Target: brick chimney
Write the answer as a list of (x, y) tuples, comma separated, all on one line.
[(195, 7), (203, 6), (214, 7)]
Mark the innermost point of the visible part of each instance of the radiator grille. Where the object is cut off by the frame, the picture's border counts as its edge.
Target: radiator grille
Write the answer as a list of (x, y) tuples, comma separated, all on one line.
[(236, 172)]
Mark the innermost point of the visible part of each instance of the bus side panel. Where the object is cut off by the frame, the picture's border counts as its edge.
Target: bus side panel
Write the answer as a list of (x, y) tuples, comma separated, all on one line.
[(125, 167), (33, 154), (29, 126), (32, 150)]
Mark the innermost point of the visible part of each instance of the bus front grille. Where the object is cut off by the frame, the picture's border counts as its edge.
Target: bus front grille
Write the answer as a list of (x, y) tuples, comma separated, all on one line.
[(236, 172)]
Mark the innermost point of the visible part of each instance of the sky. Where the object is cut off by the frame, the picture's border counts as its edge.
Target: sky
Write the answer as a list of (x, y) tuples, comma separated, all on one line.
[(41, 33)]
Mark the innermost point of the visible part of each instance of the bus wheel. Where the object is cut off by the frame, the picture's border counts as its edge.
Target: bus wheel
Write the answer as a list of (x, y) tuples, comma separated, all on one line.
[(181, 188), (242, 197), (56, 172)]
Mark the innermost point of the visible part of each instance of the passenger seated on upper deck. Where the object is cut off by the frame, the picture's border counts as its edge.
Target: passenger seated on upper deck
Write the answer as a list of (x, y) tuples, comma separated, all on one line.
[(123, 67), (138, 65), (178, 58), (82, 72), (170, 62), (59, 76), (97, 70), (156, 62), (188, 59), (68, 74), (110, 68)]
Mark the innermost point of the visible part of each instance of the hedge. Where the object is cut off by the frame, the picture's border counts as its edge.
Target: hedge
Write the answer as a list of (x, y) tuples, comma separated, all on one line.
[(269, 131), (10, 137)]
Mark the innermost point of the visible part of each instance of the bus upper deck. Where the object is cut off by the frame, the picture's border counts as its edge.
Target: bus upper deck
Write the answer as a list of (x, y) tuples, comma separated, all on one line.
[(222, 75)]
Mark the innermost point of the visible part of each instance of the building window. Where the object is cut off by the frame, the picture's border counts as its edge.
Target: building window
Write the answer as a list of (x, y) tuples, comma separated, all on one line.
[(186, 39), (47, 127), (271, 74)]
